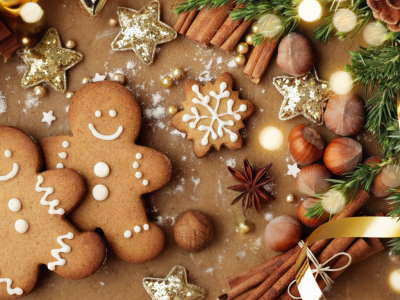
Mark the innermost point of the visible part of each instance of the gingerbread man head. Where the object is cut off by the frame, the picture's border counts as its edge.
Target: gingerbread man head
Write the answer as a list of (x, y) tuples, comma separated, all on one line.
[(34, 229), (105, 120)]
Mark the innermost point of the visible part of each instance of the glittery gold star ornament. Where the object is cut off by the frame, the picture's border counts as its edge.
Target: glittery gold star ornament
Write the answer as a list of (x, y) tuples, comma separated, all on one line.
[(173, 287), (304, 95), (48, 62), (142, 31)]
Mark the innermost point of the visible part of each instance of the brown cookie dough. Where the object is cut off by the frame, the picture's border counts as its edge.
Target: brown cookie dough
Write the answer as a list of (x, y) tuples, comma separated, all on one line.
[(34, 228), (105, 121)]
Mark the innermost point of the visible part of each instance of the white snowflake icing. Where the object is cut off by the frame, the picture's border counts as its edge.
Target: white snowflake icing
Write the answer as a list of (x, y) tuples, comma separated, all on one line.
[(215, 116)]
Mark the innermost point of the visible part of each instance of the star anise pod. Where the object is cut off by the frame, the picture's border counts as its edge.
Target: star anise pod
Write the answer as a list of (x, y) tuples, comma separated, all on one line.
[(251, 186)]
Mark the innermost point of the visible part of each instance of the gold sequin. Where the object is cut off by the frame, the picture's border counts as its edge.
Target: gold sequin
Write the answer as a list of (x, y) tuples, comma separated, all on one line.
[(48, 62), (142, 31), (173, 287), (304, 95)]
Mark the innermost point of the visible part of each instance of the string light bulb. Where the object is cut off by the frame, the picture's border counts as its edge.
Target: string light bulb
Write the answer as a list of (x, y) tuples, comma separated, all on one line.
[(310, 10), (344, 20), (341, 82), (374, 33)]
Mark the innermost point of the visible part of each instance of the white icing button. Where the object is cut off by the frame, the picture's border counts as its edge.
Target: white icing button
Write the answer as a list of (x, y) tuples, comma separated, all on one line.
[(21, 226), (14, 205), (146, 227), (101, 169), (135, 165), (97, 113), (60, 166), (113, 113), (138, 174), (139, 155), (7, 153), (65, 144), (137, 229), (100, 192), (145, 182), (128, 234), (62, 155)]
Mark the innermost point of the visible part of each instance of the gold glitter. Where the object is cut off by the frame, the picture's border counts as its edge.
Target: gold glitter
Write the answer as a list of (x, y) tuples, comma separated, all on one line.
[(48, 62), (173, 287), (142, 31), (304, 95)]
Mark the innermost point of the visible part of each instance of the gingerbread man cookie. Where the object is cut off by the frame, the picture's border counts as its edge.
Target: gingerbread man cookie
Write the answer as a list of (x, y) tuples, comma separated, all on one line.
[(105, 121), (34, 229), (213, 115)]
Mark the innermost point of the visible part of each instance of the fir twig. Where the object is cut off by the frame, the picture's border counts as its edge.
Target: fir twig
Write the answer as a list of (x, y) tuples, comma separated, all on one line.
[(189, 5)]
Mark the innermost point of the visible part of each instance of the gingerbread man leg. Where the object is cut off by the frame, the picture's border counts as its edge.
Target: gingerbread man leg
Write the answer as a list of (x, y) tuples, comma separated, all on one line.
[(16, 284)]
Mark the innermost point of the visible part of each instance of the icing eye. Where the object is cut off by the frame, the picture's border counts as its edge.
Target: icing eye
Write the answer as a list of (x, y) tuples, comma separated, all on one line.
[(97, 113), (113, 113), (7, 153)]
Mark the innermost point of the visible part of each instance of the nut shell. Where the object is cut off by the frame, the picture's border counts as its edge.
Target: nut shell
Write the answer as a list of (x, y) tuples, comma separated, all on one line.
[(345, 114), (193, 231), (387, 178), (302, 209), (296, 55), (282, 233), (342, 155), (311, 180), (306, 146)]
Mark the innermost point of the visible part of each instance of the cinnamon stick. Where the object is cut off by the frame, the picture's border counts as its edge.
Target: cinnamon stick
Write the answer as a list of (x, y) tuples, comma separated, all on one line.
[(181, 20), (286, 272), (207, 23), (8, 46), (234, 38), (259, 60), (226, 29), (188, 21)]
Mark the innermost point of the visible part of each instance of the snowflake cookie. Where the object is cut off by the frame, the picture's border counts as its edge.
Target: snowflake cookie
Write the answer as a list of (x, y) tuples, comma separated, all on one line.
[(213, 115), (105, 121), (34, 230)]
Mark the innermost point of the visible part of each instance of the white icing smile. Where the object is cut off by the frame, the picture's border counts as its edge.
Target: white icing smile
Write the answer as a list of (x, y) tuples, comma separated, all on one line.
[(104, 136), (12, 174)]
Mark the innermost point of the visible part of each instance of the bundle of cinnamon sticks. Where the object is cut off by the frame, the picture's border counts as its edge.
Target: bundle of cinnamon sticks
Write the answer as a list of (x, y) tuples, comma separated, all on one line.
[(271, 279)]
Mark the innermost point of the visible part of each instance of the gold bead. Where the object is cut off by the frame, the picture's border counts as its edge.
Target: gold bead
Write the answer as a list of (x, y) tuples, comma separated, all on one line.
[(112, 22), (118, 77), (250, 39), (69, 95), (86, 80), (243, 228), (172, 110), (242, 48), (177, 73), (167, 81), (290, 198), (240, 59), (70, 44), (39, 91), (255, 27), (26, 41)]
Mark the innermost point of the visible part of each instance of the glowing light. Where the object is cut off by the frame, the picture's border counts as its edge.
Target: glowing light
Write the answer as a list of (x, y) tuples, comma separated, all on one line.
[(341, 83), (310, 10), (344, 20), (374, 33), (394, 281), (270, 25), (271, 138), (333, 202)]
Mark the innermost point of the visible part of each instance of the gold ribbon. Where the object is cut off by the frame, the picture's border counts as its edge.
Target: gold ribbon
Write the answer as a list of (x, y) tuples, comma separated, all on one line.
[(13, 7), (368, 227)]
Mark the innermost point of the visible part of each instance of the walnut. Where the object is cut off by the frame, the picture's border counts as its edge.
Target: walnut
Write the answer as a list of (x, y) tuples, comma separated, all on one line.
[(193, 231)]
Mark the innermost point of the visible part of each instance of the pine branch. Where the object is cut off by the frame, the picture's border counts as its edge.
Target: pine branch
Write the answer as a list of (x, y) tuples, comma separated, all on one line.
[(189, 5), (315, 211), (395, 244)]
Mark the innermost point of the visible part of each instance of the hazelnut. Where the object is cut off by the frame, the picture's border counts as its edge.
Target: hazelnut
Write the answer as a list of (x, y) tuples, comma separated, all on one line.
[(302, 209), (282, 233), (193, 231), (312, 180), (345, 114), (342, 155), (306, 146), (295, 54), (388, 178)]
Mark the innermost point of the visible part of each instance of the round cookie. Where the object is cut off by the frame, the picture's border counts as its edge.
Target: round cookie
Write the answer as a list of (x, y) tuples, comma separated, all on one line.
[(34, 228), (105, 120)]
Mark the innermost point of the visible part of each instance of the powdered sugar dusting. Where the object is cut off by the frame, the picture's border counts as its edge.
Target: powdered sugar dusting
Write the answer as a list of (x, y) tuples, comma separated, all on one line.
[(3, 103), (156, 113), (231, 162), (176, 132), (268, 216), (232, 64), (31, 101)]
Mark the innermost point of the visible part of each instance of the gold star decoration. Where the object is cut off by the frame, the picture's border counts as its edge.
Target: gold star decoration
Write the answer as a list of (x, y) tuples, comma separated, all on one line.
[(142, 31), (173, 287), (48, 62), (303, 95)]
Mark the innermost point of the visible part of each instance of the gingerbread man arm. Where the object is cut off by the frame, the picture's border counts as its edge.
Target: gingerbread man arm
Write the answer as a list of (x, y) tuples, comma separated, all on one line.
[(64, 185), (53, 147)]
